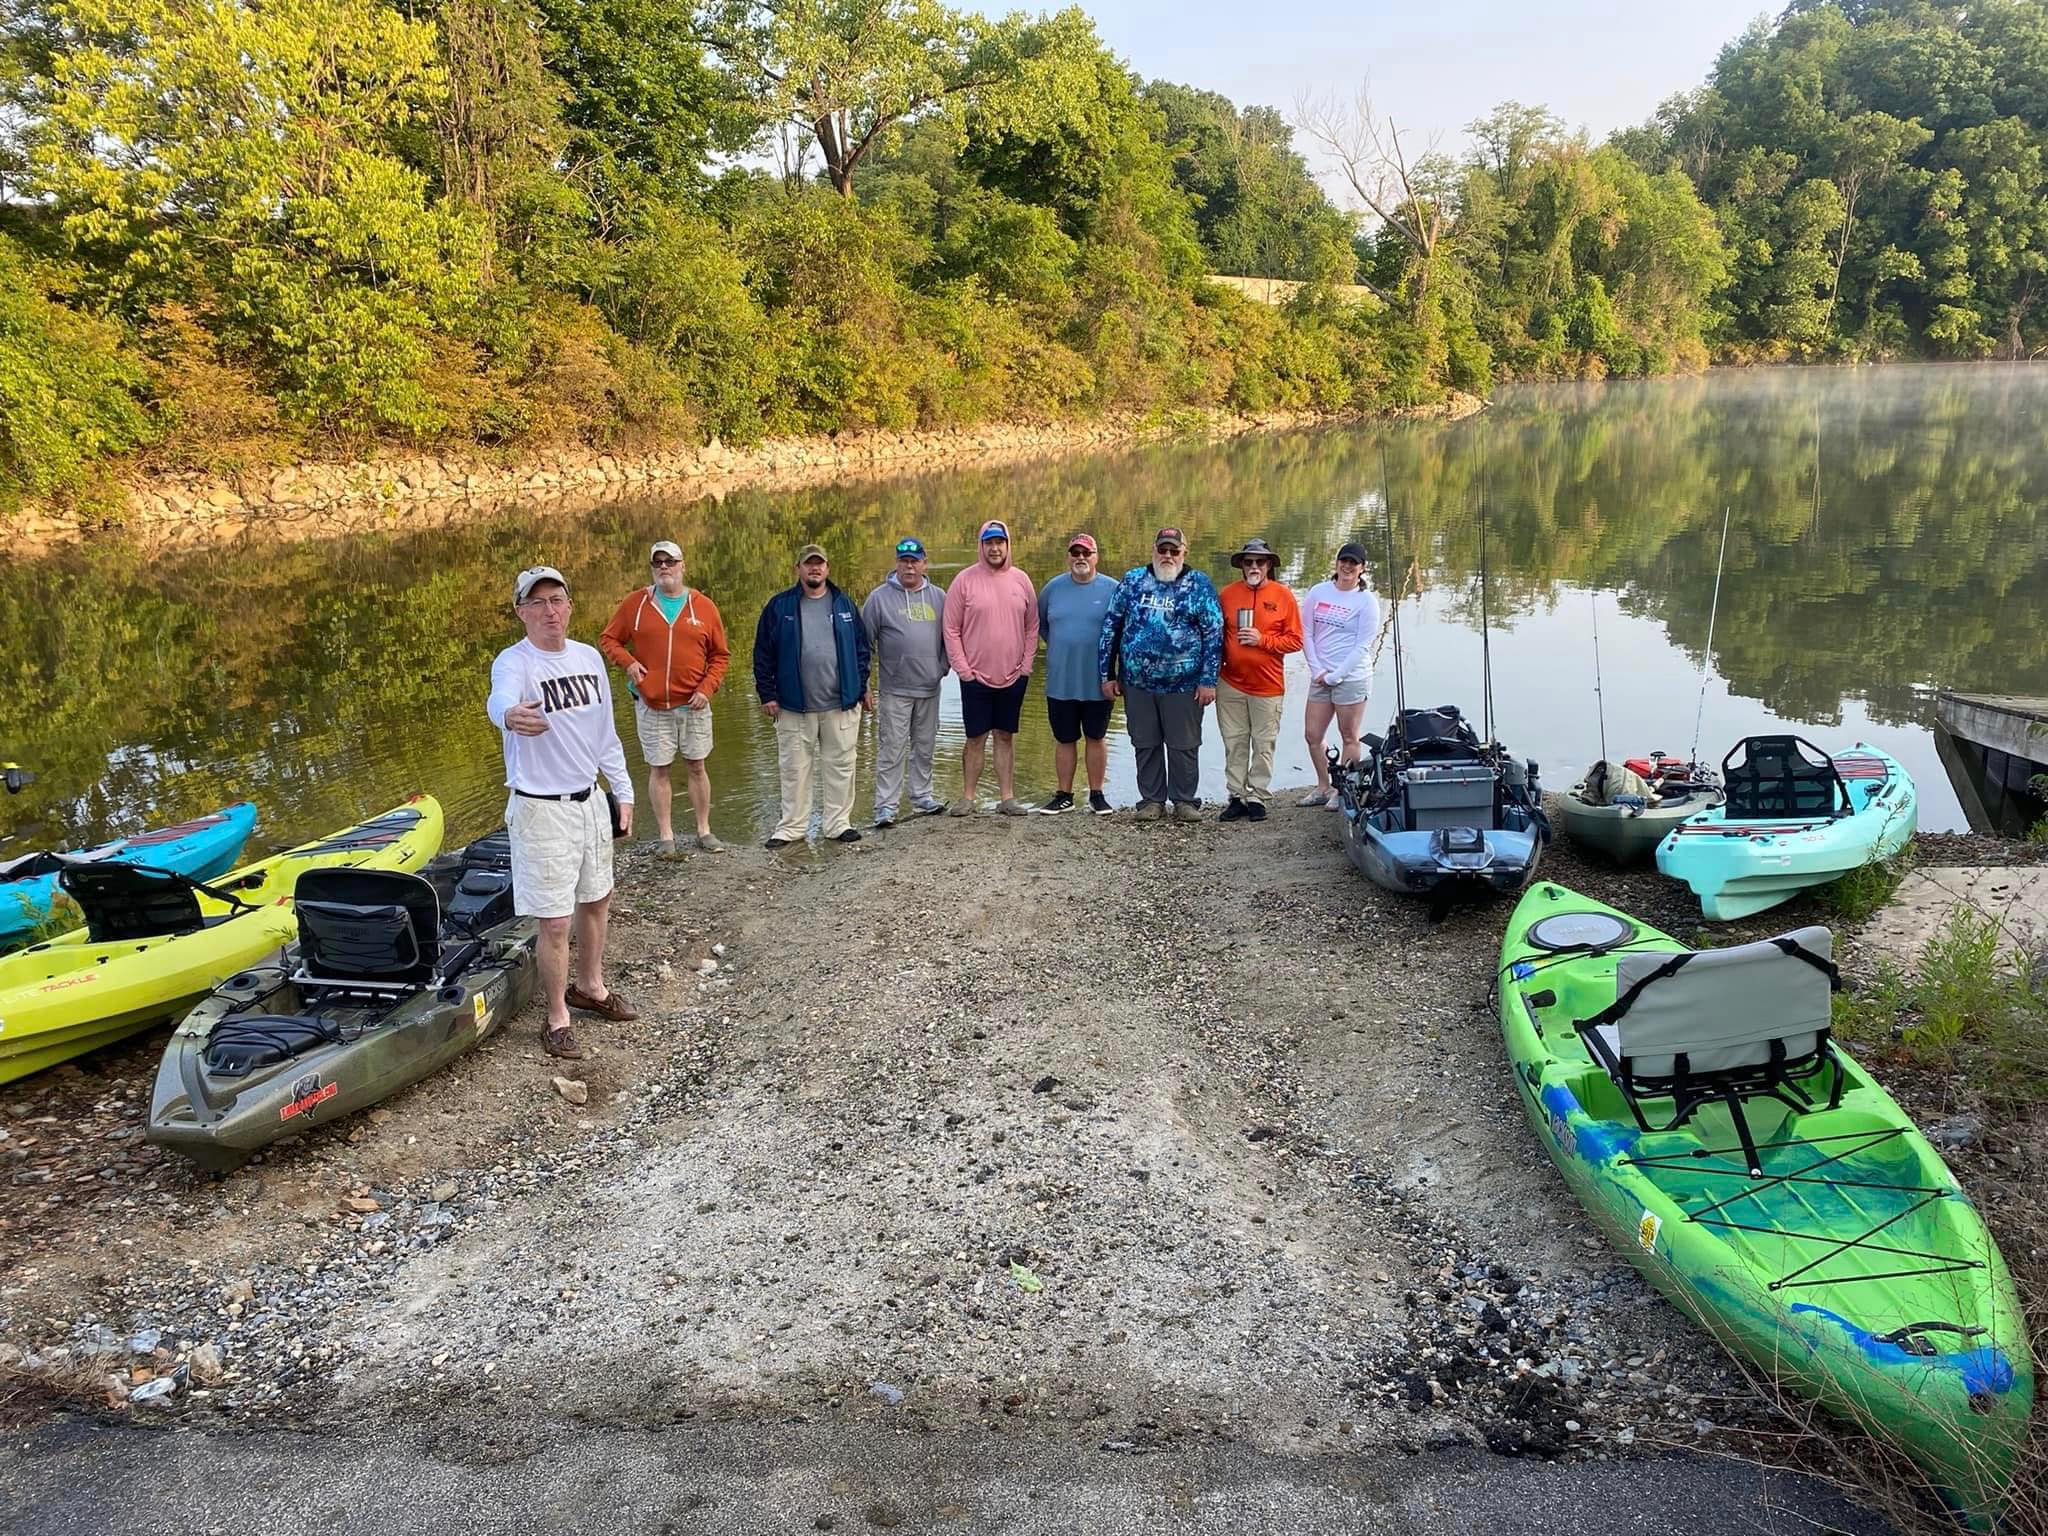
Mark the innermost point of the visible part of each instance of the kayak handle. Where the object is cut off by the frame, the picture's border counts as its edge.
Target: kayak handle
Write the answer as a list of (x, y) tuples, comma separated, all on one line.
[(1907, 1337)]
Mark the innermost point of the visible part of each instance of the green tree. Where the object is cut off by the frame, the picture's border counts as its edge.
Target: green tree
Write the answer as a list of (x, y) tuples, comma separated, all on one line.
[(1259, 210), (68, 392), (643, 104), (847, 71), (240, 149)]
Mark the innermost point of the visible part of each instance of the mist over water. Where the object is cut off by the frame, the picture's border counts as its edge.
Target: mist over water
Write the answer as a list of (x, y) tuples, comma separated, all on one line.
[(1887, 536)]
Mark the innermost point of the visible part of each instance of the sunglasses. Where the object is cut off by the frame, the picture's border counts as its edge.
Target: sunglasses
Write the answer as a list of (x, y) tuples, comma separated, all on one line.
[(660, 561), (1166, 549), (1078, 550)]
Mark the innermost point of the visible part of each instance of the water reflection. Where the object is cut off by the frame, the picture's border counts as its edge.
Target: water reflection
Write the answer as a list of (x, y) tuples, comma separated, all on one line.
[(1888, 536)]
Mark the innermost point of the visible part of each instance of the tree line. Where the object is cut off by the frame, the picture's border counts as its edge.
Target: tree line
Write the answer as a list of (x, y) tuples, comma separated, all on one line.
[(234, 232)]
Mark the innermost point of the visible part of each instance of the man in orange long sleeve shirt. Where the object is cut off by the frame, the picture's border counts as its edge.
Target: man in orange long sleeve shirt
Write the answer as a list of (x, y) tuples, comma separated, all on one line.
[(670, 642), (1261, 627)]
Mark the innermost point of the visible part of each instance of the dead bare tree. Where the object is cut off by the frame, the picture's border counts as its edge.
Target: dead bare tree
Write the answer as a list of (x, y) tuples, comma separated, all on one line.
[(1381, 174)]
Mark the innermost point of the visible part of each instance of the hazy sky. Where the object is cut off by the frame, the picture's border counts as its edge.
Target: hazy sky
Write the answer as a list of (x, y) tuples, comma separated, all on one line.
[(1598, 64)]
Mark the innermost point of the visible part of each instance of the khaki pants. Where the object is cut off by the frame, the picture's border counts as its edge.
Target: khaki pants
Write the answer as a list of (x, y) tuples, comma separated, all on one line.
[(906, 729), (819, 745), (1250, 725)]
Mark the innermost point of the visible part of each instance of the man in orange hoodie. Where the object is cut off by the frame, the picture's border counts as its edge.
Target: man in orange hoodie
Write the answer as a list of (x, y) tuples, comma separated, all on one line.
[(670, 642), (1261, 628)]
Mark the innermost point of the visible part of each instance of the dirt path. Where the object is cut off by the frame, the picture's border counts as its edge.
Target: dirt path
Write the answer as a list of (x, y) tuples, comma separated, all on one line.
[(1073, 1127)]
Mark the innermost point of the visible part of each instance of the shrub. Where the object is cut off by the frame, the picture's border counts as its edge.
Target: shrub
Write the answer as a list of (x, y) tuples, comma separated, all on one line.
[(68, 392)]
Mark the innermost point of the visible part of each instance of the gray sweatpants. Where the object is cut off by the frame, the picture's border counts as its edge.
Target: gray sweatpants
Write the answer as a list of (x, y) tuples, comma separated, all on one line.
[(1166, 739), (905, 729)]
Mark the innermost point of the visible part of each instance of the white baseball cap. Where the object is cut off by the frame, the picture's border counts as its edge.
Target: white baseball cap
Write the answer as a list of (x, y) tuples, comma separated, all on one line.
[(666, 547), (532, 577)]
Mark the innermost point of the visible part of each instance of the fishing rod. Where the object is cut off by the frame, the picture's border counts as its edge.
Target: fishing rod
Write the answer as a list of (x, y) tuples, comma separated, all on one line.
[(1600, 692), (1485, 630), (1712, 614), (1387, 501)]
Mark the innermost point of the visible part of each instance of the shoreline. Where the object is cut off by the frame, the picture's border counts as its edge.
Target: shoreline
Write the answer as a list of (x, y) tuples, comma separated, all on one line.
[(324, 499)]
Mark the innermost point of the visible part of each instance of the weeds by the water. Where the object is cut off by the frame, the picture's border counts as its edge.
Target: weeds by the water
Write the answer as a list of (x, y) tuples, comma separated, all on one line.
[(1865, 888), (1969, 1005), (1971, 1015)]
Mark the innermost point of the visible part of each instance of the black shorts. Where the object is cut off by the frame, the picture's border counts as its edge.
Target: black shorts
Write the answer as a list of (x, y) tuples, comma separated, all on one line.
[(984, 709), (1072, 717)]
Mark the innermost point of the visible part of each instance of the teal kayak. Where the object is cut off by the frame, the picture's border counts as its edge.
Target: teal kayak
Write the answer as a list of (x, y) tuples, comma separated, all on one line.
[(198, 849), (1763, 1181), (1794, 817)]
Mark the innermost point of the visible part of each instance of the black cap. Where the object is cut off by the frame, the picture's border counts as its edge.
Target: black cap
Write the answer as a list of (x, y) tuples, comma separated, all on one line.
[(1352, 550)]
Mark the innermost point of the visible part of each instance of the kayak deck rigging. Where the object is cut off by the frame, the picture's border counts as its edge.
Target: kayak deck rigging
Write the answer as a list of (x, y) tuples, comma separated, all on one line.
[(1696, 1164)]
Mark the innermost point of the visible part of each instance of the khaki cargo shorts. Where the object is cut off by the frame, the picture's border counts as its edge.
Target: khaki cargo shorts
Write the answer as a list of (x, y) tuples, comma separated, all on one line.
[(666, 734)]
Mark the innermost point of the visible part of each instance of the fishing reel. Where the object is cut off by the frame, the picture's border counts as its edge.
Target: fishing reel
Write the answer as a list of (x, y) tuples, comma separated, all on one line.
[(16, 777)]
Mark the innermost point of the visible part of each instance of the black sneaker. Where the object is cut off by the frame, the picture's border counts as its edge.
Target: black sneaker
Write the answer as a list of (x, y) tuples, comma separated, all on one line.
[(850, 835), (1255, 810), (1098, 802), (1234, 811), (777, 842), (1062, 801)]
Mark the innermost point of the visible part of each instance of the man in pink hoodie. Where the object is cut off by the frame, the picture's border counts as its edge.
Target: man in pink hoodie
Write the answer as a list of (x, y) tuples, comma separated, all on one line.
[(991, 625)]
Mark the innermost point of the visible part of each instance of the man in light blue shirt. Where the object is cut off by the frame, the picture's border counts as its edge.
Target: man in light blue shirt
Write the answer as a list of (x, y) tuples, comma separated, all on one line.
[(1070, 611)]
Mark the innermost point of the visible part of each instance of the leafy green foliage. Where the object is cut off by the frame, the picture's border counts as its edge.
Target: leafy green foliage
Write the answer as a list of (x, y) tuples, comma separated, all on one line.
[(1864, 889), (1967, 1003), (240, 149), (68, 394), (1877, 172)]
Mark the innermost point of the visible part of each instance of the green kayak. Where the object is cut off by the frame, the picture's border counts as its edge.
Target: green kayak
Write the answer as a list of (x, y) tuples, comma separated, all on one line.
[(1760, 1179)]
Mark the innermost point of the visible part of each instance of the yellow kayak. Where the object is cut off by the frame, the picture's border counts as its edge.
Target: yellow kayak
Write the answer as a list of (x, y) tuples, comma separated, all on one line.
[(155, 943)]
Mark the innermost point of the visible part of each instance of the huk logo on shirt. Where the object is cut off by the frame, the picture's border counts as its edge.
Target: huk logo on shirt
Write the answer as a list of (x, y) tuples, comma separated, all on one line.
[(572, 692)]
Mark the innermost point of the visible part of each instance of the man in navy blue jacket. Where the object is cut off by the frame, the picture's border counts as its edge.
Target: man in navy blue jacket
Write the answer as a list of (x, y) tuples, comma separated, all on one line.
[(811, 671)]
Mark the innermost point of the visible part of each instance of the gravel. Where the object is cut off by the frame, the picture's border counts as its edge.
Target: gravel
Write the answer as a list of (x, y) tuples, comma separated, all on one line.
[(1136, 1136)]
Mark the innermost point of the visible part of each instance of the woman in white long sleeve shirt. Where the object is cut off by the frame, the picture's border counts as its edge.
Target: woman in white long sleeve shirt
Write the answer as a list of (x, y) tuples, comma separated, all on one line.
[(1339, 619)]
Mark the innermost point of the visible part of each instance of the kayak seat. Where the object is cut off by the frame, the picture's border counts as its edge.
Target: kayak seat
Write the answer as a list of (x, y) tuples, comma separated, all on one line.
[(1781, 778), (1700, 1027), (124, 902), (240, 1043), (374, 930), (1434, 733)]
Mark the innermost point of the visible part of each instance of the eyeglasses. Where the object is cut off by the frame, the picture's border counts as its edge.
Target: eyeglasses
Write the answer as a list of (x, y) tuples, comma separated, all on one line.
[(660, 562), (552, 600)]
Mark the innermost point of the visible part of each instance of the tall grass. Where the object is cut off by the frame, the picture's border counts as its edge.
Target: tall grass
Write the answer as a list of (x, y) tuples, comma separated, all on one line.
[(1865, 888)]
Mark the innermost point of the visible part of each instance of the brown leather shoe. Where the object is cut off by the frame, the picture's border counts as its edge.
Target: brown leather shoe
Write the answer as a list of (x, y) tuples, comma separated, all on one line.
[(561, 1042), (612, 1005)]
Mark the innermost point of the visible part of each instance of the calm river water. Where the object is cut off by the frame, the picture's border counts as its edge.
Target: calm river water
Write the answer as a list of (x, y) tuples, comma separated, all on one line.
[(1888, 535)]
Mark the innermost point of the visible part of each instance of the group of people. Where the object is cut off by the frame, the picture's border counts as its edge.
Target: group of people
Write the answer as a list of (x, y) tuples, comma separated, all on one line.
[(1161, 638)]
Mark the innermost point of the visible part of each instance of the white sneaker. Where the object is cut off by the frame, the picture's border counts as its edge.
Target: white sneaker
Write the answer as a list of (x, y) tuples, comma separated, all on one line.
[(1316, 797)]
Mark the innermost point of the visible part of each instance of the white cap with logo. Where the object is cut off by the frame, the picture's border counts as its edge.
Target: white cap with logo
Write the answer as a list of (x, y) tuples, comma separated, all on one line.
[(666, 547), (532, 577)]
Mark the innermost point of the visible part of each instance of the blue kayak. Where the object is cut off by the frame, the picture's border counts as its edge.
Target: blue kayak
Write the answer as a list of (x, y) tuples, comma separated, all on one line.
[(201, 848), (1794, 817)]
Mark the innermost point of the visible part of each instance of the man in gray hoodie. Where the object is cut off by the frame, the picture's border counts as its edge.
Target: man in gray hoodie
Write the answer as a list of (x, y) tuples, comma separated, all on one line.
[(905, 623)]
